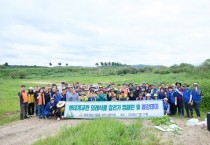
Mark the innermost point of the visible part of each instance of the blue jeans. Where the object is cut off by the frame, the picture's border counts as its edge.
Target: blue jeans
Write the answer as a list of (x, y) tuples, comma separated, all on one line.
[(40, 110), (197, 108)]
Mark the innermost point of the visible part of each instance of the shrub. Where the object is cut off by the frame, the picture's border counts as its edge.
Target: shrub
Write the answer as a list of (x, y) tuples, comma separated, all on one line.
[(13, 75), (22, 74)]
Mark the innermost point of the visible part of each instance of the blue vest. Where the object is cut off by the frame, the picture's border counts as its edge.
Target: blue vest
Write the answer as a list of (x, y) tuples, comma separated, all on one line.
[(186, 95), (165, 106), (196, 95), (171, 96)]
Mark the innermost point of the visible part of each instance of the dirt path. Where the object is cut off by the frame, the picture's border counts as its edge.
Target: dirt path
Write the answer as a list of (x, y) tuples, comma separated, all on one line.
[(28, 131), (189, 136)]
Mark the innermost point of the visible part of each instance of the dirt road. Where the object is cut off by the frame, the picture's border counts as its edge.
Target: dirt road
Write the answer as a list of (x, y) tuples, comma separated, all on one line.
[(28, 131)]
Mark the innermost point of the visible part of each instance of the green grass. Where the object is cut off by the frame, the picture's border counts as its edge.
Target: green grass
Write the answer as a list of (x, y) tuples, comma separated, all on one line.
[(103, 131), (9, 102)]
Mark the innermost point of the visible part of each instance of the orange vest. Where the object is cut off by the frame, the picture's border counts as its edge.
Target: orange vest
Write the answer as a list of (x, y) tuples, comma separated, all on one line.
[(41, 100), (25, 97)]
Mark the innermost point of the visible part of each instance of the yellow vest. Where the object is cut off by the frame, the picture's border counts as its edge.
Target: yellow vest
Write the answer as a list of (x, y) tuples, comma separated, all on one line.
[(31, 98)]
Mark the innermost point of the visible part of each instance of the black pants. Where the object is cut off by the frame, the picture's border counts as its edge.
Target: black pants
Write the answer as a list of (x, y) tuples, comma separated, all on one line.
[(188, 108), (23, 110), (31, 109), (180, 107), (173, 108), (197, 108)]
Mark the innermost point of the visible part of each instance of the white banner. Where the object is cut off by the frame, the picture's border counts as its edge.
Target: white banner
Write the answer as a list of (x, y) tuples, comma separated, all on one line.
[(118, 109)]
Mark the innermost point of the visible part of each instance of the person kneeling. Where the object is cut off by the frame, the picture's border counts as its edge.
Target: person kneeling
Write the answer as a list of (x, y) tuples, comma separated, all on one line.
[(60, 109), (166, 106), (50, 108)]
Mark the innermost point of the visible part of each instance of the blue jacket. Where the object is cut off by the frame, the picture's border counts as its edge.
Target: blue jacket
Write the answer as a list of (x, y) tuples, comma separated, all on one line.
[(196, 95), (165, 106), (186, 95), (49, 110), (161, 95), (171, 96), (178, 93), (58, 97)]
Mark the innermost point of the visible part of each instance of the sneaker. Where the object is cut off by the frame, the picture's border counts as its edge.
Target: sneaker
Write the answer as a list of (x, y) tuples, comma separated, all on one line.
[(58, 119)]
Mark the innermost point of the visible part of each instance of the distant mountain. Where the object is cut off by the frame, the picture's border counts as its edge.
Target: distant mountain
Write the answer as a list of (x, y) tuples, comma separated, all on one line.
[(144, 65)]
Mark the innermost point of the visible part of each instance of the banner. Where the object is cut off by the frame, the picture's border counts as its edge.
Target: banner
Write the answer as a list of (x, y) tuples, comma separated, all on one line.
[(118, 109)]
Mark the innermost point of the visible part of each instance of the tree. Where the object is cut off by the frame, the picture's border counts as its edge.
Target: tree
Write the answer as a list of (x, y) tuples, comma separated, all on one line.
[(59, 63), (102, 63), (6, 64), (109, 63), (50, 64), (105, 63), (112, 63), (97, 64), (206, 63), (67, 64)]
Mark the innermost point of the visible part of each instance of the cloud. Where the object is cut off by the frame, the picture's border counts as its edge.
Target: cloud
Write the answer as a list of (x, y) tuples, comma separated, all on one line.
[(85, 32)]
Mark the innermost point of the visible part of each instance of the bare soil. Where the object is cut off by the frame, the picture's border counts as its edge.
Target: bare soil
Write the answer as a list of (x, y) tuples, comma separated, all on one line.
[(30, 130)]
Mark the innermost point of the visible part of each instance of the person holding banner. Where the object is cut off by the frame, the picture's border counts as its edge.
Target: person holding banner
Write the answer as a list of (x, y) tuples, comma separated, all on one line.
[(166, 106), (101, 96)]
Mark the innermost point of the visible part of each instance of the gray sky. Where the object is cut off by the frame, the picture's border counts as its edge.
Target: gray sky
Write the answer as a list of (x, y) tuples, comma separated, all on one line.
[(83, 32)]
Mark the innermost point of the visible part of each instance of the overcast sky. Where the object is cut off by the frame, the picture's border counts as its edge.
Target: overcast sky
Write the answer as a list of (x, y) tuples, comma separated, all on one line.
[(83, 32)]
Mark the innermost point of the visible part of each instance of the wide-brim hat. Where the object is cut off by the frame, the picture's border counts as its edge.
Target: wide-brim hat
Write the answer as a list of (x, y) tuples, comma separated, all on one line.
[(61, 104), (165, 99), (148, 95), (31, 88), (155, 95), (195, 84), (178, 83)]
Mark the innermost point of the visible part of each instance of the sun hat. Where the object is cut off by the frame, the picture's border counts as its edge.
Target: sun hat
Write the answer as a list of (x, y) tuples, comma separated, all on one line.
[(148, 95), (165, 99), (31, 88), (178, 83), (52, 99), (60, 104), (155, 95), (195, 84)]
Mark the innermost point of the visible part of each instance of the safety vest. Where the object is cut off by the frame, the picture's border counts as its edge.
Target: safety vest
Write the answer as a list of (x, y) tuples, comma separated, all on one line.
[(25, 97)]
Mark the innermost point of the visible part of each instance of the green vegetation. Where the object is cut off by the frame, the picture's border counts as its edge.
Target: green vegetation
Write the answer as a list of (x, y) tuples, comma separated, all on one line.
[(12, 77), (103, 131), (161, 121)]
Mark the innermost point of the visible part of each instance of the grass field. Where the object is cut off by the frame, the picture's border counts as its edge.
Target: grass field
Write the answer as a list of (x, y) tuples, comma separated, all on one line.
[(9, 105), (103, 131)]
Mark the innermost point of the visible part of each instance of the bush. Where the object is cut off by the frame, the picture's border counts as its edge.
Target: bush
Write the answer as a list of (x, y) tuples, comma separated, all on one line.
[(22, 74), (13, 75)]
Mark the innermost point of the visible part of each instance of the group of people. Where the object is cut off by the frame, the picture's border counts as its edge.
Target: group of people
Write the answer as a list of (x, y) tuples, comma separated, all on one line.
[(49, 101)]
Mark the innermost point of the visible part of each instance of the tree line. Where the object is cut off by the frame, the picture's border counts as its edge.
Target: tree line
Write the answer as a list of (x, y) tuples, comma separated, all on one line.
[(109, 64)]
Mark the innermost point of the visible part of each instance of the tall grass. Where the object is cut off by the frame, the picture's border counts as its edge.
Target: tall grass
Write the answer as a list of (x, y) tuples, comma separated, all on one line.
[(104, 131)]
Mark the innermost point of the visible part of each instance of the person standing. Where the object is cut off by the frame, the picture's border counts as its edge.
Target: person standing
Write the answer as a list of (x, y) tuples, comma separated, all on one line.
[(47, 96), (23, 103), (196, 96), (179, 94), (172, 99), (187, 96), (41, 103), (31, 102)]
